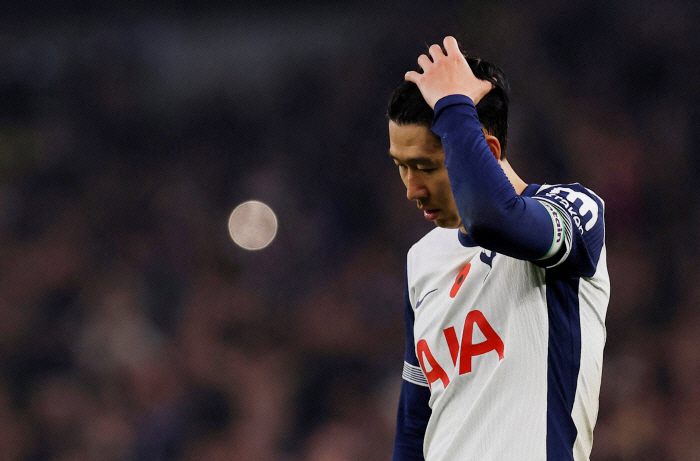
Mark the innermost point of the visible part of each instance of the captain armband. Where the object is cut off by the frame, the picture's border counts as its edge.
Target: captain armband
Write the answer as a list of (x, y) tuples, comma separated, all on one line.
[(559, 230)]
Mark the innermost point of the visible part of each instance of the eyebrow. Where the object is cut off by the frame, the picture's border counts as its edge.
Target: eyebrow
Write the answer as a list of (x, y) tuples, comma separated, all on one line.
[(415, 160)]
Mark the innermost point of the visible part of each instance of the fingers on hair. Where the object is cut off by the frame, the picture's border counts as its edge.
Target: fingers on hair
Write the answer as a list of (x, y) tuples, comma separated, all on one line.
[(451, 45), (436, 52)]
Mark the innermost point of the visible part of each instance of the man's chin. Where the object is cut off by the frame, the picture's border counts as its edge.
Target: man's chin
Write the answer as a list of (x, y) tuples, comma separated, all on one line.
[(448, 223)]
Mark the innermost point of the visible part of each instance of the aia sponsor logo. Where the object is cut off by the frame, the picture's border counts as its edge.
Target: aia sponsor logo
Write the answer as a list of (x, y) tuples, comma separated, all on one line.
[(462, 352)]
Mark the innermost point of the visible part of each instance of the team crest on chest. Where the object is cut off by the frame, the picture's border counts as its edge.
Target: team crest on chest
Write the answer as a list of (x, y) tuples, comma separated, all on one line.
[(487, 259)]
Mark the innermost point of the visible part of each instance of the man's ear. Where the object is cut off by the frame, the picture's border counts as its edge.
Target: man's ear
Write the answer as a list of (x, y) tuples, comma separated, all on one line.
[(495, 146)]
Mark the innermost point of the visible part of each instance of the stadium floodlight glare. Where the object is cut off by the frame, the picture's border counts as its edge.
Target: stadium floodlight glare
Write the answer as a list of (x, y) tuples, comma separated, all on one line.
[(252, 225)]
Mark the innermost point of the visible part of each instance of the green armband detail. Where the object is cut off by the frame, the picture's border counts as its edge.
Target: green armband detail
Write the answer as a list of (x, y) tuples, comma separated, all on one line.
[(559, 230)]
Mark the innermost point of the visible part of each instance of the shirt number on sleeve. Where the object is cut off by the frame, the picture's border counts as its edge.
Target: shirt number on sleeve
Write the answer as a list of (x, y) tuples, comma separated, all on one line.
[(570, 200)]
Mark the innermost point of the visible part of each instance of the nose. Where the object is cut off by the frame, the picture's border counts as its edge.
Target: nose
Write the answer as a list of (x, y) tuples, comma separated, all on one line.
[(415, 186)]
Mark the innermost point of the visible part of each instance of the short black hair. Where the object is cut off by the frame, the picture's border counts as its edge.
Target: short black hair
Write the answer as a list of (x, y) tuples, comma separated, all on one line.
[(407, 106)]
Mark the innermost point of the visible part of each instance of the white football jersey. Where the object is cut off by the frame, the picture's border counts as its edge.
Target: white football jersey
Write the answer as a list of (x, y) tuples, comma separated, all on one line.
[(511, 350)]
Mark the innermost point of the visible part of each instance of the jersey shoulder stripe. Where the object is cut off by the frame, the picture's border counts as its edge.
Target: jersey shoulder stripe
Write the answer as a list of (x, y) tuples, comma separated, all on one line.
[(414, 375)]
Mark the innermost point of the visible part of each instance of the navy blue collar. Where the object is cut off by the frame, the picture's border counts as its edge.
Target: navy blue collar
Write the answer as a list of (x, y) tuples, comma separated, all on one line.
[(465, 239)]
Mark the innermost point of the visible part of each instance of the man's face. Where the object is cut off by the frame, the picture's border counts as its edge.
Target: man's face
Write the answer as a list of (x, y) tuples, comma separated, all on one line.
[(421, 160)]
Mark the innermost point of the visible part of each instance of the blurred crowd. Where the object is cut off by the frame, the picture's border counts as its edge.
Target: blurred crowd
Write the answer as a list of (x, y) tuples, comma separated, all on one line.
[(132, 327)]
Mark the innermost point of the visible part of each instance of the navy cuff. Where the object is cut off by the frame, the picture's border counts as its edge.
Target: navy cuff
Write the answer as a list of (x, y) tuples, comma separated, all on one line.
[(451, 100)]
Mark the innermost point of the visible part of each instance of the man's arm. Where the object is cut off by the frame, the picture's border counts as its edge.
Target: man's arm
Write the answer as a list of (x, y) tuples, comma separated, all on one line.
[(411, 421), (561, 226), (414, 412), (492, 212)]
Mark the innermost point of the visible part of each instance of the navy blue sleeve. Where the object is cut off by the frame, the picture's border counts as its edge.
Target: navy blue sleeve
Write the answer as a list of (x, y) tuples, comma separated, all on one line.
[(493, 214), (411, 422), (414, 411)]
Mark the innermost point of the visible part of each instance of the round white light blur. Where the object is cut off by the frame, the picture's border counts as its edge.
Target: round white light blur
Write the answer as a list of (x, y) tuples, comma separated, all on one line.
[(252, 225)]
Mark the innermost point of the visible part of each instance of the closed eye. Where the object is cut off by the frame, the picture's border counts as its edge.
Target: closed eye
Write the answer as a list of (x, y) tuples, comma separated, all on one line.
[(419, 166)]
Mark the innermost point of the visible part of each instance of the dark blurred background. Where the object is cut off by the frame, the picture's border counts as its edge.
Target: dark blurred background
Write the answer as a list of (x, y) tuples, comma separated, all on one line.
[(133, 328)]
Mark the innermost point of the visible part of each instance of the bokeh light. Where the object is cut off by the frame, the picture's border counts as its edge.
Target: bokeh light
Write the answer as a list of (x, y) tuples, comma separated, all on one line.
[(252, 225)]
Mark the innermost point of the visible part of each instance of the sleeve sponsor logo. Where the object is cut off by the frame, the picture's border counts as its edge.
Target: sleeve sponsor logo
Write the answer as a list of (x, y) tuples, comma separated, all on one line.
[(582, 208)]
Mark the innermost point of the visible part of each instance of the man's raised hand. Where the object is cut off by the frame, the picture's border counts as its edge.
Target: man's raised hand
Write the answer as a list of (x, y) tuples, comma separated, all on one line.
[(447, 74)]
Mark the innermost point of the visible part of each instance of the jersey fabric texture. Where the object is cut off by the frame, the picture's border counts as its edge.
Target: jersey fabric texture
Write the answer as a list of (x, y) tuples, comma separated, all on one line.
[(504, 349)]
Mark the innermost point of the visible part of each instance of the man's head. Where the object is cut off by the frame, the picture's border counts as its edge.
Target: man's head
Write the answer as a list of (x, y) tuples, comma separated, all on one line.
[(407, 106), (418, 152)]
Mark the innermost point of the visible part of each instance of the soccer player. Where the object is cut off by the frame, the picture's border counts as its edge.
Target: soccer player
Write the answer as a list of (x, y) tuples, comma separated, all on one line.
[(506, 298)]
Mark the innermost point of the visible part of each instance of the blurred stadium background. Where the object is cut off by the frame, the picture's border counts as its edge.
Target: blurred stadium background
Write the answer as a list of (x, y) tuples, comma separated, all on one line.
[(133, 328)]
